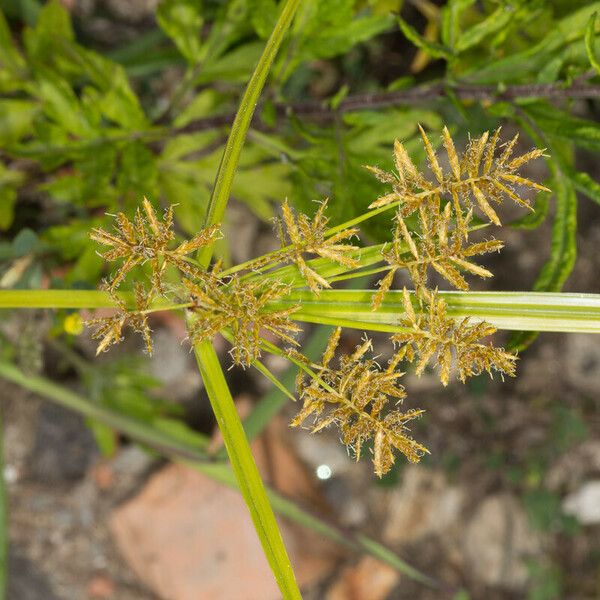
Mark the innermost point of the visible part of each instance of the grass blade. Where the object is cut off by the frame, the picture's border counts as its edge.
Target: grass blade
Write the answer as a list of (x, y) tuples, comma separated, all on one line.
[(245, 469), (529, 311), (231, 155)]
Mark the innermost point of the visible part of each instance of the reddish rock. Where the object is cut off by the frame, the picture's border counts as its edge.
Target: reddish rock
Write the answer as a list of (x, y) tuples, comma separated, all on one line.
[(187, 537), (101, 587), (370, 579)]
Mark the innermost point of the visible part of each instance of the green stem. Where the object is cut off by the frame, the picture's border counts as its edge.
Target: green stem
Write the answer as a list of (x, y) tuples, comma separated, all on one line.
[(245, 469), (231, 155), (235, 440), (513, 311), (520, 311)]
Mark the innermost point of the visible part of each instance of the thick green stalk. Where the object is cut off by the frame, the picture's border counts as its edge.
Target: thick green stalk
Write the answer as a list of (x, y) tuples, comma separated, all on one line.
[(231, 155), (521, 311), (245, 469), (236, 443)]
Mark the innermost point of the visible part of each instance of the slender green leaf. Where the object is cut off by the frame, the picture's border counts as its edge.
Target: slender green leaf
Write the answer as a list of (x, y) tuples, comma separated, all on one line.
[(244, 467), (142, 431), (495, 22), (531, 311), (434, 49), (186, 450), (231, 155), (585, 184), (563, 250)]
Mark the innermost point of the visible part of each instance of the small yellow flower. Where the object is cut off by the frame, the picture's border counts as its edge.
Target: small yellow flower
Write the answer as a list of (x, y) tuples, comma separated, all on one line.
[(73, 324)]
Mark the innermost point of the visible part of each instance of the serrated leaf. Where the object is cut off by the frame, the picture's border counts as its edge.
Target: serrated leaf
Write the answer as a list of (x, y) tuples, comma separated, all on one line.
[(61, 104), (526, 64), (563, 249), (54, 20), (585, 184), (16, 118), (138, 172), (10, 57), (234, 66), (558, 123), (120, 104), (202, 105), (434, 49)]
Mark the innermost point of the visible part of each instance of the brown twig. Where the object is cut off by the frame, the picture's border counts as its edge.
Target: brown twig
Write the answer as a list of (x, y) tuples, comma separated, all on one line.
[(322, 112)]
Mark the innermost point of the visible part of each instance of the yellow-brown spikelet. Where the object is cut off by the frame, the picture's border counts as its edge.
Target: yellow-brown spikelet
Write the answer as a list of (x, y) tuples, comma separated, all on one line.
[(476, 177), (147, 239), (299, 235), (440, 244), (431, 334), (242, 308), (109, 329), (355, 397)]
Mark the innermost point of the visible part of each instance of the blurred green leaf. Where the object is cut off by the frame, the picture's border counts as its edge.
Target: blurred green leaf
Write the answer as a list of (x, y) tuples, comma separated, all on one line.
[(590, 42), (451, 14), (182, 21), (8, 198), (495, 22), (434, 49), (137, 172), (263, 15)]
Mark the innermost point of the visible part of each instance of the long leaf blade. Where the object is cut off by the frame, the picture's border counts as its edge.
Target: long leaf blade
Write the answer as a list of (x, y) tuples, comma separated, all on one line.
[(245, 469)]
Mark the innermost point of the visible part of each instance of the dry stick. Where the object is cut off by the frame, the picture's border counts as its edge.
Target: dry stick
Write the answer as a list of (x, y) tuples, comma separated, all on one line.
[(320, 111)]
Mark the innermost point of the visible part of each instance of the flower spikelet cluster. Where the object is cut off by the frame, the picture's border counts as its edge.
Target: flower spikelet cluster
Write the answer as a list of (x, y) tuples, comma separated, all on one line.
[(441, 244), (479, 175), (242, 308), (109, 330), (443, 210), (300, 235), (355, 397), (147, 239), (431, 334)]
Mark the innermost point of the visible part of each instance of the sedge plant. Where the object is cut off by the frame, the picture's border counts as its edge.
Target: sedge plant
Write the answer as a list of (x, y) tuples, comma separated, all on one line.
[(261, 305)]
